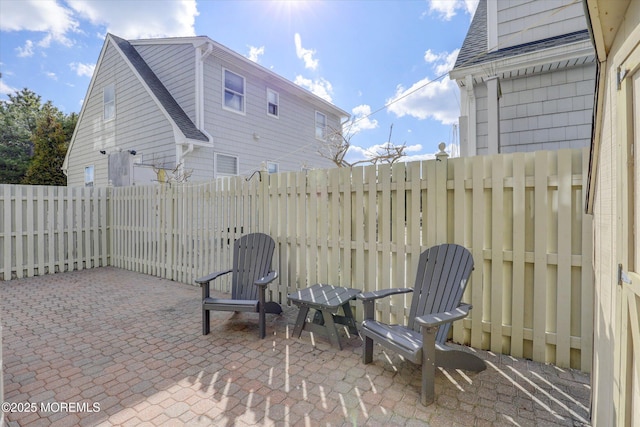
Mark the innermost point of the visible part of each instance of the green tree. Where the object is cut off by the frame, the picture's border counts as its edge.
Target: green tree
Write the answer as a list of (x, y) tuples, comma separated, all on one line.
[(18, 117), (50, 146)]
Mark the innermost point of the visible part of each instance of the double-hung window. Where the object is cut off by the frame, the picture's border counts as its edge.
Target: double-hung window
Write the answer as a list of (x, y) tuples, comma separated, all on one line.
[(234, 91), (109, 101), (273, 103), (321, 126)]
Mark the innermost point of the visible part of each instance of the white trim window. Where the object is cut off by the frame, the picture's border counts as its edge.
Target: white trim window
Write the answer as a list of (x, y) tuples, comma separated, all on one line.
[(321, 126), (272, 167), (234, 91), (88, 176), (226, 165), (109, 102), (273, 103)]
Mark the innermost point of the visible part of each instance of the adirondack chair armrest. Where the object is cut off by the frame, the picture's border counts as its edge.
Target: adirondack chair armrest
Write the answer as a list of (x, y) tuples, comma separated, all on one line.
[(264, 281), (369, 298), (206, 279), (437, 319), (374, 295)]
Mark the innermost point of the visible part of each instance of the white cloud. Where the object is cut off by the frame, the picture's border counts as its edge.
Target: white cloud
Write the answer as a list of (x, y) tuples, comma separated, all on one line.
[(361, 153), (81, 69), (305, 54), (58, 20), (448, 61), (360, 120), (45, 16), (319, 86), (447, 9), (427, 98), (173, 19), (443, 61), (430, 57), (51, 75), (26, 51), (6, 89), (255, 52)]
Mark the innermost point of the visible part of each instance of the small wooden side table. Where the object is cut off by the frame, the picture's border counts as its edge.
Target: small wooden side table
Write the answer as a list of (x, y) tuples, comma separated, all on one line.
[(326, 300)]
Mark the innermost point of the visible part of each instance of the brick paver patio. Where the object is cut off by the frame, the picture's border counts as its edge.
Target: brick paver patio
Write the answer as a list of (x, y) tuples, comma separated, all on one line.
[(111, 347)]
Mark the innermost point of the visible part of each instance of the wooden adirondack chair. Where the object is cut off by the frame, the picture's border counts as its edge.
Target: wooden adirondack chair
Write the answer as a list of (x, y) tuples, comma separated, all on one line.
[(251, 273), (443, 272)]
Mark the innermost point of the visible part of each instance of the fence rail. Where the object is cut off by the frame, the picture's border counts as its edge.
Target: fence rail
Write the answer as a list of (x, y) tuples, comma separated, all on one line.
[(520, 215)]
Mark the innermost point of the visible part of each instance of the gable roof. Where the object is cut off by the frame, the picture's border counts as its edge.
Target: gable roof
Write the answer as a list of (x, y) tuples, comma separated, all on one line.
[(474, 48), (168, 102), (475, 42)]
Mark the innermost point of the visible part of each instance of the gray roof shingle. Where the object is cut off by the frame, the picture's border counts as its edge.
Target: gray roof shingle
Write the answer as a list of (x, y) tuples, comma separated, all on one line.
[(474, 47), (184, 123), (475, 42)]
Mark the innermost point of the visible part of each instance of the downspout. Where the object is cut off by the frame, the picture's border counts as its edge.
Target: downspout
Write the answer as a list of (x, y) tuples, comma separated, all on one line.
[(180, 155), (472, 136), (200, 57)]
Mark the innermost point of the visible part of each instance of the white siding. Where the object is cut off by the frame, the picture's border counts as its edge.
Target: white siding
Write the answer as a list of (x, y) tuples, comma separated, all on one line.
[(288, 140), (139, 124), (174, 64), (525, 21)]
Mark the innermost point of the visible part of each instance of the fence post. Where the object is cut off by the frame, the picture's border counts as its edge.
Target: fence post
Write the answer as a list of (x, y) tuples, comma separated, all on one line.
[(441, 194)]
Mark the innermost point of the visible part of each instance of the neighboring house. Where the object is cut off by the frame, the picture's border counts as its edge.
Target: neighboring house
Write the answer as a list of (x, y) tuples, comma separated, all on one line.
[(614, 200), (171, 107), (526, 72)]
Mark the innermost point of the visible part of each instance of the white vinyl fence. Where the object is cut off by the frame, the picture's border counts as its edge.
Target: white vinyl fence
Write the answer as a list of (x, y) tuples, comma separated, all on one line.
[(521, 215)]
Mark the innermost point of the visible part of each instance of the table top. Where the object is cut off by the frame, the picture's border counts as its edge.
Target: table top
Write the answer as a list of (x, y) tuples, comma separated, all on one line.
[(321, 295)]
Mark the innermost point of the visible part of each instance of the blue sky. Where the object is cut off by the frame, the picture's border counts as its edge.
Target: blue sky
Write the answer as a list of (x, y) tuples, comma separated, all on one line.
[(359, 55)]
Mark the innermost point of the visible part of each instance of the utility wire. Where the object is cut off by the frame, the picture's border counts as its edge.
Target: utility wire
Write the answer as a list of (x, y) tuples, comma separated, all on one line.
[(440, 77)]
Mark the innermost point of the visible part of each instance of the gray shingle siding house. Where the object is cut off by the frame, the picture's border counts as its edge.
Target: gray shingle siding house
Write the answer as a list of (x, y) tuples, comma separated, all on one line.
[(191, 105), (526, 72)]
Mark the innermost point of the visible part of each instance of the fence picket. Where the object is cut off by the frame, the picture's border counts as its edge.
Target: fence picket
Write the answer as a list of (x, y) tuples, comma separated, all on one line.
[(518, 258), (563, 279), (40, 215), (477, 250), (540, 305), (496, 283)]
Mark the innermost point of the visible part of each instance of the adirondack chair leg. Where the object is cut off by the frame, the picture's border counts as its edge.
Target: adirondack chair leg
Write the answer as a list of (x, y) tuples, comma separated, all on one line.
[(205, 313), (205, 321), (428, 365), (367, 350), (261, 309)]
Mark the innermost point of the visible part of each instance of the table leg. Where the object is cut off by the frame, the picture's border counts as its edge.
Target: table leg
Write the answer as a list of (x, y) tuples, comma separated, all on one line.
[(330, 326), (348, 317), (302, 318)]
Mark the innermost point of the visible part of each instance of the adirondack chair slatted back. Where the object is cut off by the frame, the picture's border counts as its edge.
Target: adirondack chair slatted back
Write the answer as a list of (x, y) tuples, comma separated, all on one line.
[(443, 273), (251, 261)]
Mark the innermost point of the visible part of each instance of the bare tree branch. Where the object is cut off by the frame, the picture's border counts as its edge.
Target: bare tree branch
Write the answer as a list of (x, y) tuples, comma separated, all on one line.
[(338, 144), (169, 176)]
